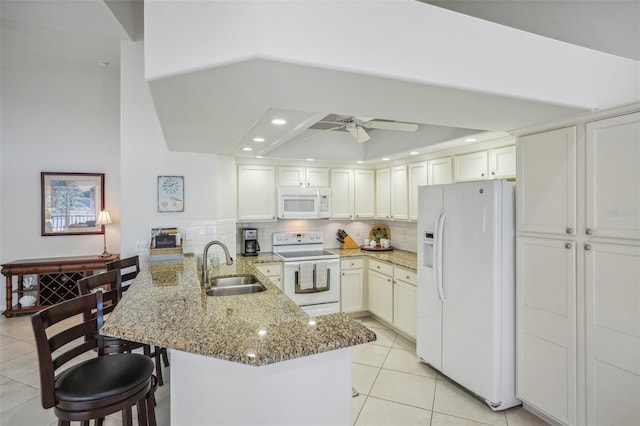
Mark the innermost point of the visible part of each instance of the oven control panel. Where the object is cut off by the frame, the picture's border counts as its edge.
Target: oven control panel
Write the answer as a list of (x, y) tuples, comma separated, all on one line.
[(295, 238)]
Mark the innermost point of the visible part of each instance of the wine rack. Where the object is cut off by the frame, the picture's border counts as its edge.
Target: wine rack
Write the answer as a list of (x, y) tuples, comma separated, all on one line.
[(57, 279)]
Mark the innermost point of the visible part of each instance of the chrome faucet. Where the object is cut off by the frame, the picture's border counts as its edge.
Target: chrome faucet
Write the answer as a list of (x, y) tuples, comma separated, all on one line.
[(205, 258)]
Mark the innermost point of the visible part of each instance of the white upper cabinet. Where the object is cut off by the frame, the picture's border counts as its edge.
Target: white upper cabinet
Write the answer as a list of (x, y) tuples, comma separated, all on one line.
[(546, 182), (399, 193), (256, 192), (364, 194), (303, 176), (439, 171), (383, 193), (502, 162), (471, 166), (613, 177), (342, 197), (417, 177)]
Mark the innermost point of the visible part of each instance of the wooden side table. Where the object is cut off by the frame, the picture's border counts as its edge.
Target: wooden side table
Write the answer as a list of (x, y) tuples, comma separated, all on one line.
[(56, 279)]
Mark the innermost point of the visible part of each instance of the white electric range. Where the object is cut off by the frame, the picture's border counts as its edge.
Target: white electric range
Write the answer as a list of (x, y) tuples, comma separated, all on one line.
[(311, 275)]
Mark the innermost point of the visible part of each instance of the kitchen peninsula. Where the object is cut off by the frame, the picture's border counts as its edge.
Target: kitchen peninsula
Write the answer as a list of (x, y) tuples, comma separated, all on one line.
[(248, 359)]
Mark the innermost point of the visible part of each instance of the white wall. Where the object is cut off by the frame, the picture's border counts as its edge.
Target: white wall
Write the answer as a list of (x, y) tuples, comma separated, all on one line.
[(57, 116), (144, 157)]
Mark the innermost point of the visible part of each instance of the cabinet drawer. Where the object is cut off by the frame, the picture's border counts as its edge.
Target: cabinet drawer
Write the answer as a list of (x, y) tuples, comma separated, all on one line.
[(383, 268), (406, 275), (269, 269), (351, 263)]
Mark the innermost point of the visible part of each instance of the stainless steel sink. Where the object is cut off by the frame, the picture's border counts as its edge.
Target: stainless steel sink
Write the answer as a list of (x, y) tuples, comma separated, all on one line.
[(235, 285)]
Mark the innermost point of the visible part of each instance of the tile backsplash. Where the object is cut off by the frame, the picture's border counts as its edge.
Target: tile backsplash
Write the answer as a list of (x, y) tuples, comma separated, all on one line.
[(403, 234)]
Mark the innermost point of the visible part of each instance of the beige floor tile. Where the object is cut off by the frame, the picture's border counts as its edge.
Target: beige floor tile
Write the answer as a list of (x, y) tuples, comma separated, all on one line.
[(15, 349), (378, 412), (518, 416), (31, 379), (363, 377), (372, 322), (453, 400), (403, 343), (163, 413), (439, 419), (15, 393), (404, 388), (29, 413), (369, 354), (356, 406), (406, 361), (4, 379), (384, 336), (19, 366)]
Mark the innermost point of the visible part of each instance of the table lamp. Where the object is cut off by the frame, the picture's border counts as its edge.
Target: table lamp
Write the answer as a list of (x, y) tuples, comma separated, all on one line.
[(104, 219)]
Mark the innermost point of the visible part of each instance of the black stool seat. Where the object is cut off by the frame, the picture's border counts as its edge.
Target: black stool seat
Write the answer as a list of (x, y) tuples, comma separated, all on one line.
[(87, 381)]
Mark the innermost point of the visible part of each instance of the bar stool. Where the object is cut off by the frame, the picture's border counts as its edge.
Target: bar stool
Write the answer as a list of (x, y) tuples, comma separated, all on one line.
[(129, 269), (97, 387)]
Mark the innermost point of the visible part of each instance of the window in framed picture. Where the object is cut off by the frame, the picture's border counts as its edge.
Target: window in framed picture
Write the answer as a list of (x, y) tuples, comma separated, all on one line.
[(170, 193)]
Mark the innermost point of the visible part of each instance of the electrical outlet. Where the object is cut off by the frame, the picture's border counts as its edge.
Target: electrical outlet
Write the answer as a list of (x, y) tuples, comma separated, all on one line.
[(141, 246)]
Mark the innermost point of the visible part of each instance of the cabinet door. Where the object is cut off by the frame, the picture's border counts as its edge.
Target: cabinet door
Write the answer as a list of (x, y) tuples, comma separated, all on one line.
[(273, 271), (471, 166), (364, 194), (290, 176), (342, 193), (546, 326), (399, 193), (405, 307), (502, 163), (316, 177), (352, 291), (256, 193), (439, 171), (612, 334), (381, 296), (417, 177), (546, 182), (613, 177), (383, 193)]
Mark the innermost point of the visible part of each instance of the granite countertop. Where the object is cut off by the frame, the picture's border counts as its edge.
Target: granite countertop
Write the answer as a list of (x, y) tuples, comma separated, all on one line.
[(402, 258), (166, 306)]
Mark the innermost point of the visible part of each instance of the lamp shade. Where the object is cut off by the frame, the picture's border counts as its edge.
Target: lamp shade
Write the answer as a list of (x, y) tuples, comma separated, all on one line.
[(103, 218)]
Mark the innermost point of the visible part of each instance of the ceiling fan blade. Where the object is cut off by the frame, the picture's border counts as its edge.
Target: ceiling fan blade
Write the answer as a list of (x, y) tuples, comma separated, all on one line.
[(392, 125), (321, 131), (359, 134)]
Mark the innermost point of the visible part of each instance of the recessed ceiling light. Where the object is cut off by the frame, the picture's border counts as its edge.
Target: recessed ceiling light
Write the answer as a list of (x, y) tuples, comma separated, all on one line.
[(471, 140), (258, 139), (309, 159), (259, 156), (413, 152), (247, 148), (360, 162), (385, 158), (278, 121)]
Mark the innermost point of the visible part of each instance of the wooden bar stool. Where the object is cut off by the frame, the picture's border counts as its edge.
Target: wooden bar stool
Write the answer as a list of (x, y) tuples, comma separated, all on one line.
[(97, 387), (129, 269)]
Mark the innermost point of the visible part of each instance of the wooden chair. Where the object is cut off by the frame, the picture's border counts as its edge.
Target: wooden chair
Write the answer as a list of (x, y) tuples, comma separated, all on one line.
[(97, 387), (129, 269)]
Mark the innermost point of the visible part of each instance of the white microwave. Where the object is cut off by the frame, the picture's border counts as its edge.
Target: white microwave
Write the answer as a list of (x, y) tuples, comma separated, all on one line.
[(303, 203)]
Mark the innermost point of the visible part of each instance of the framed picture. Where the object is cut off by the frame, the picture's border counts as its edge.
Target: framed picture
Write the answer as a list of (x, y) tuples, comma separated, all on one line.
[(71, 203), (170, 193)]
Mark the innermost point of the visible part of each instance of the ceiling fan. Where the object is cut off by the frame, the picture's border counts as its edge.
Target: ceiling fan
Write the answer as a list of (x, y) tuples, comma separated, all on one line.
[(358, 126)]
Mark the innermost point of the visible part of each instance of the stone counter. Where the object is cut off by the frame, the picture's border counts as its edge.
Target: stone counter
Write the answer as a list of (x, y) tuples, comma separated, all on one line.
[(166, 306), (403, 258)]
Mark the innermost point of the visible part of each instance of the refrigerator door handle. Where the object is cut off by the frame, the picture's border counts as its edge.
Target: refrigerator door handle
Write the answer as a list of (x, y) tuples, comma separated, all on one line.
[(437, 264)]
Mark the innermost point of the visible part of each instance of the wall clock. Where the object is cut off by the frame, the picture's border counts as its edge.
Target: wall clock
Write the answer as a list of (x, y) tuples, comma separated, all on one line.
[(170, 193)]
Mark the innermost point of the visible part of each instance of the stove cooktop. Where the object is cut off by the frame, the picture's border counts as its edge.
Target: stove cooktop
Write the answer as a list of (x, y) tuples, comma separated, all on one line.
[(307, 255)]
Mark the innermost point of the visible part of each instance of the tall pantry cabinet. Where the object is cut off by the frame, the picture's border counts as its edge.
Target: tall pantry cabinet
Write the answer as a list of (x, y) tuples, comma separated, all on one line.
[(578, 272)]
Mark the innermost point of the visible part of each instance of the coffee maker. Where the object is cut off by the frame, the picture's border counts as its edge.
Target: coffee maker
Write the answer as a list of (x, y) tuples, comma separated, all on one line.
[(250, 246)]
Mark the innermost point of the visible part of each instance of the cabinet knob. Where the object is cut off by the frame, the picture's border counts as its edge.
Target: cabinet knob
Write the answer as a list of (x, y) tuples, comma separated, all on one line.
[(388, 280), (587, 246), (343, 273), (569, 230), (588, 231), (493, 173), (568, 245), (482, 174)]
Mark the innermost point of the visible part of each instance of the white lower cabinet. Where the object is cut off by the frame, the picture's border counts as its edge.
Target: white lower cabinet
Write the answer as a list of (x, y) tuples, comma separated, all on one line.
[(405, 300), (352, 285), (273, 271), (612, 279), (380, 290), (546, 338)]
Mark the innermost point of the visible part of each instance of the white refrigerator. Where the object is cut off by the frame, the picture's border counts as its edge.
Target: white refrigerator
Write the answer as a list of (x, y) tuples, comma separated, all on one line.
[(466, 286)]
